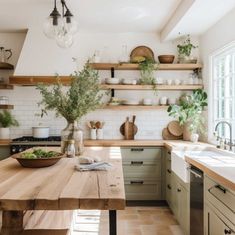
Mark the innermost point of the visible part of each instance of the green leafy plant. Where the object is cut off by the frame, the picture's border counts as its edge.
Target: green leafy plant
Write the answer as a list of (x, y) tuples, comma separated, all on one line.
[(7, 120), (81, 97), (186, 47), (147, 72), (190, 110)]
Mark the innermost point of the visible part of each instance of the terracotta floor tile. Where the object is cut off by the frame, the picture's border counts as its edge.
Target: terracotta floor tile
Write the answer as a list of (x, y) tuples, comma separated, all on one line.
[(131, 221)]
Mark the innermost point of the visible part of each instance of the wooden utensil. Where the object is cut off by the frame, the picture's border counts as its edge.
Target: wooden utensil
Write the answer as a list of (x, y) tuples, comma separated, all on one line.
[(168, 136), (175, 128), (142, 51), (98, 125), (128, 129)]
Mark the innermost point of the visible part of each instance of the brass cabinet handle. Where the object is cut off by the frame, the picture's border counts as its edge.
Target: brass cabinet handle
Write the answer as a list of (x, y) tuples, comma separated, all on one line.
[(137, 162), (137, 182), (178, 190), (169, 171), (168, 186)]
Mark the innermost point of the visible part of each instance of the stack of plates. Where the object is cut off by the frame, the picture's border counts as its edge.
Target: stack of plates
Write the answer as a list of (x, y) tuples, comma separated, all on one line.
[(131, 102), (112, 81)]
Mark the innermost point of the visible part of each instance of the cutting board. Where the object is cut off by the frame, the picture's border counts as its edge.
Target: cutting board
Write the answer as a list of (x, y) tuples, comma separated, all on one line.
[(129, 129), (175, 128)]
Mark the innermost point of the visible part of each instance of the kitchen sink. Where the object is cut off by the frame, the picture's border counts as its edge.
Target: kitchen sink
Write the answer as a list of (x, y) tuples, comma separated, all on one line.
[(179, 165)]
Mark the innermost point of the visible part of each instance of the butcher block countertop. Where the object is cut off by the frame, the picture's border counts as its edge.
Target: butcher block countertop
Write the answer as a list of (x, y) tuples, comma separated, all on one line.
[(221, 168), (169, 144), (33, 189)]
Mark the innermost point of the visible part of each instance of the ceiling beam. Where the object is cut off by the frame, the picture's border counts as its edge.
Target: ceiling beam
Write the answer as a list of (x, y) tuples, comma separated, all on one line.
[(177, 16)]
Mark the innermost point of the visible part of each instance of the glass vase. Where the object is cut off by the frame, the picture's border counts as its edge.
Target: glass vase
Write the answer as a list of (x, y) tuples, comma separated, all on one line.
[(72, 132)]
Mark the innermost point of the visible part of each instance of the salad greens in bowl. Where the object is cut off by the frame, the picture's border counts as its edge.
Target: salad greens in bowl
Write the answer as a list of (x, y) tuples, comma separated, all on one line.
[(38, 158)]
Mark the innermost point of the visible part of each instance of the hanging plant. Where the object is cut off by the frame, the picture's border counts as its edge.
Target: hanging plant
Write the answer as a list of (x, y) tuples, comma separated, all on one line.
[(147, 68)]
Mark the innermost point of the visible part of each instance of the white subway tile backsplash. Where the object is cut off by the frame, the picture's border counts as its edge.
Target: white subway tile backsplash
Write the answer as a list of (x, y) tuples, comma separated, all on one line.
[(150, 123)]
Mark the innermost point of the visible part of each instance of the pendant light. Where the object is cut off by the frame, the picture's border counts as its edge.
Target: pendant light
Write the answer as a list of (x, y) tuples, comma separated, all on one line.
[(61, 28)]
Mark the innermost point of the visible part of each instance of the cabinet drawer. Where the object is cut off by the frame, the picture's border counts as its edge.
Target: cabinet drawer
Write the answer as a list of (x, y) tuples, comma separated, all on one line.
[(143, 170), (140, 189), (140, 154), (222, 198)]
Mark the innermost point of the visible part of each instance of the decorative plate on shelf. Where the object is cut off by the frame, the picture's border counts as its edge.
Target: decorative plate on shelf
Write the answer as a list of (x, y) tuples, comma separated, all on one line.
[(142, 51)]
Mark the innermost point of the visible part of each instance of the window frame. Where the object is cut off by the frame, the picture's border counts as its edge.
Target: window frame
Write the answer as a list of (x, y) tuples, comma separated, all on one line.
[(211, 91)]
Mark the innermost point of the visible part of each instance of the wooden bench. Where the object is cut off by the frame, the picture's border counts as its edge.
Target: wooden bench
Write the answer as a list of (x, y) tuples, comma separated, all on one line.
[(47, 222)]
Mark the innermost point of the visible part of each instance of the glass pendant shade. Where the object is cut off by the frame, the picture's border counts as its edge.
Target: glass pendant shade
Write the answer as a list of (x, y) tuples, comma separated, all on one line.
[(51, 29), (60, 28), (70, 25), (64, 39)]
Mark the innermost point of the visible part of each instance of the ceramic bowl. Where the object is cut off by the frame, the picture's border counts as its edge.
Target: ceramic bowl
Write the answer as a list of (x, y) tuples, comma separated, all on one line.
[(112, 81)]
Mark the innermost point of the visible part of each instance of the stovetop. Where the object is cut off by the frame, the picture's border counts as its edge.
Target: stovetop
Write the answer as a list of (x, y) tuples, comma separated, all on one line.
[(32, 139)]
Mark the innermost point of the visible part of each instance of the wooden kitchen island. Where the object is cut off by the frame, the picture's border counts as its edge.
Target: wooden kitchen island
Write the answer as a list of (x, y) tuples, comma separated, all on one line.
[(29, 197)]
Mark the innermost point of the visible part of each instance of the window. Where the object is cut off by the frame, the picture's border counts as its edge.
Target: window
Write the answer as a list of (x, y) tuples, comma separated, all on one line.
[(223, 89)]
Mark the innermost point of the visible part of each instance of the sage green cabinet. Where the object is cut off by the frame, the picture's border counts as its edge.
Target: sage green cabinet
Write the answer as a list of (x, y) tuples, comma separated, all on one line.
[(219, 209), (177, 196), (168, 185), (4, 152), (216, 224), (180, 202), (142, 169)]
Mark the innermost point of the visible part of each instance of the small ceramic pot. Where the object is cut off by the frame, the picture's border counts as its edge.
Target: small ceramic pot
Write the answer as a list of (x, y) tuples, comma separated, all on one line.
[(93, 134), (100, 134), (4, 133), (194, 137)]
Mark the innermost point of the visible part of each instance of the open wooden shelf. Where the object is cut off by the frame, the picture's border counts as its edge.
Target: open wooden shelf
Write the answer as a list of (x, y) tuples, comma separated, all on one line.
[(34, 80), (6, 106), (135, 107), (6, 66), (6, 86), (5, 142), (150, 87), (132, 66)]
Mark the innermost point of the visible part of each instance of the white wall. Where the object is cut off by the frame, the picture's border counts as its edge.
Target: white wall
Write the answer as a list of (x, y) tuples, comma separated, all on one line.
[(215, 38), (15, 42), (41, 56)]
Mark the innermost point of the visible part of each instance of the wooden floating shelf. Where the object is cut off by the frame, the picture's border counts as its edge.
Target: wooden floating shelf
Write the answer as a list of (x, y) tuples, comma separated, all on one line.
[(5, 142), (150, 87), (34, 80), (135, 107), (6, 66), (6, 86), (131, 66), (6, 106), (65, 80)]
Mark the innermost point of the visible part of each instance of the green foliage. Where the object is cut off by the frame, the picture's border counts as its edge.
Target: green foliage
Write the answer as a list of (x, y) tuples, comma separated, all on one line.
[(190, 110), (186, 47), (7, 120), (81, 97), (147, 72)]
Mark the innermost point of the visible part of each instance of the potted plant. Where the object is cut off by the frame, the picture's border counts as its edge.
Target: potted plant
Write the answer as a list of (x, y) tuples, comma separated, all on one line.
[(185, 50), (73, 103), (189, 114), (6, 121)]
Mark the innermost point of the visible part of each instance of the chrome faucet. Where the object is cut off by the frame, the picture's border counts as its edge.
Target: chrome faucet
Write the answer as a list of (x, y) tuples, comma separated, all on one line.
[(230, 132)]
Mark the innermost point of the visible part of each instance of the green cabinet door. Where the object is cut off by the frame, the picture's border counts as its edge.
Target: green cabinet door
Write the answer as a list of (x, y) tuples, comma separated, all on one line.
[(183, 208), (214, 224), (4, 152)]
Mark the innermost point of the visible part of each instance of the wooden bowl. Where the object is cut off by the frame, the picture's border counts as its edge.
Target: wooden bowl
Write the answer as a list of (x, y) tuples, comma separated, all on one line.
[(37, 163), (166, 59)]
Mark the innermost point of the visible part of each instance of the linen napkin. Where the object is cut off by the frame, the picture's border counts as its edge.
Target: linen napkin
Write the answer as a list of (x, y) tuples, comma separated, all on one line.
[(98, 166)]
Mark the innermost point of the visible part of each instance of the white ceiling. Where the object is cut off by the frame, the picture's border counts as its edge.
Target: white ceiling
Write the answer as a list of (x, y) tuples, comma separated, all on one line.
[(200, 16), (120, 15), (97, 15)]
